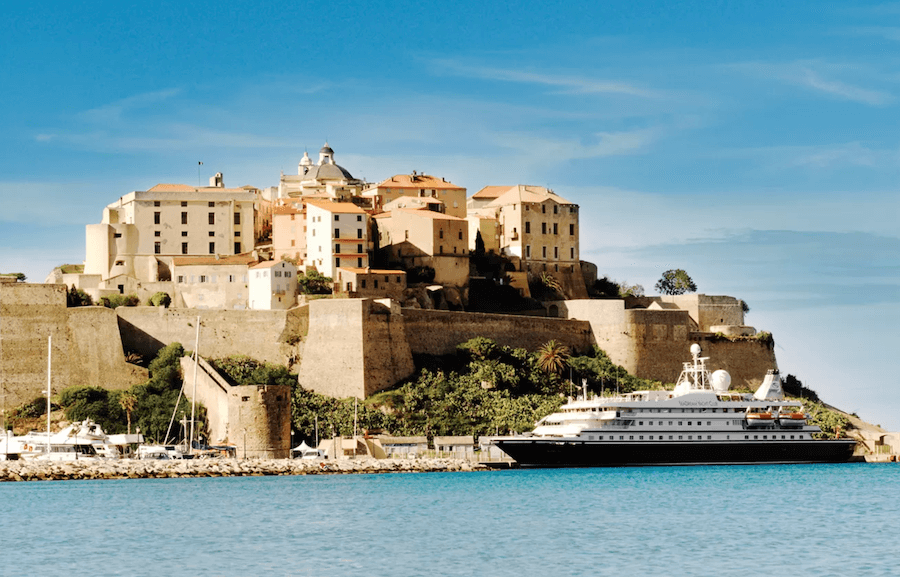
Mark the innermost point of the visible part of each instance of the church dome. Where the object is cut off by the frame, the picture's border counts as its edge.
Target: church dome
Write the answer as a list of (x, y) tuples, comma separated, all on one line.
[(306, 160), (326, 149)]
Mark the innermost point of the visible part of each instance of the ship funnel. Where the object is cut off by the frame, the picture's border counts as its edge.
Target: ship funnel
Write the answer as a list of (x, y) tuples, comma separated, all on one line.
[(770, 389)]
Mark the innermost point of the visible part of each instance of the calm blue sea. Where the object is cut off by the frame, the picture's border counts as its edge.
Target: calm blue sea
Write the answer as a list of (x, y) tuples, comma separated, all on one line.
[(772, 520)]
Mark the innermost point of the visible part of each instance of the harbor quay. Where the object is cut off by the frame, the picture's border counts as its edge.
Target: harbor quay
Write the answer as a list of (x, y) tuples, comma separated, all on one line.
[(34, 470)]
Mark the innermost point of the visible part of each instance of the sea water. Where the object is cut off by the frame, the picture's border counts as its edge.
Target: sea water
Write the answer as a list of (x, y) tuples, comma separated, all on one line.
[(726, 520)]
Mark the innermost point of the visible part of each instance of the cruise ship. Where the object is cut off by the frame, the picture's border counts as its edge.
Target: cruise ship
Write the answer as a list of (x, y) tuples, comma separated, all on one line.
[(699, 422)]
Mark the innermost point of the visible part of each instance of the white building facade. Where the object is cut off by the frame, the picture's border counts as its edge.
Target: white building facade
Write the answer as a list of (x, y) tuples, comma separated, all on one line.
[(273, 285), (336, 236)]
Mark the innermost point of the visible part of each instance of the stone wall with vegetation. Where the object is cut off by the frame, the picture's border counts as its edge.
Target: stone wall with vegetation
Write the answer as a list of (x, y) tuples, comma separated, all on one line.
[(270, 336), (436, 332)]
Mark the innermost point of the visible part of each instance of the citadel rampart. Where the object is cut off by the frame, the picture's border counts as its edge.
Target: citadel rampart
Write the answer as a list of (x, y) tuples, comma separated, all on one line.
[(438, 332), (87, 349), (256, 419), (269, 336)]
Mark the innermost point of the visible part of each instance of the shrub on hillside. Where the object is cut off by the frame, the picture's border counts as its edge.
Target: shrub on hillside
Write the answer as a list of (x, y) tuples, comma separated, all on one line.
[(160, 299)]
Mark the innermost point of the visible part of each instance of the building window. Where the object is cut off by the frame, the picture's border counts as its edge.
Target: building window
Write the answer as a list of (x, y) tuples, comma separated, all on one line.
[(212, 218), (337, 262), (337, 218), (527, 228), (543, 228), (572, 253), (212, 233), (212, 204), (528, 251), (181, 279), (212, 248), (202, 278), (359, 233), (337, 248), (544, 208), (184, 248), (231, 278), (157, 247), (571, 230), (362, 283), (337, 233), (359, 262), (155, 218), (358, 218), (375, 282), (183, 203), (292, 242), (183, 218), (460, 235), (543, 252), (359, 248), (441, 249), (556, 252), (278, 273), (441, 233), (555, 230), (157, 233), (155, 203), (237, 233), (237, 218)]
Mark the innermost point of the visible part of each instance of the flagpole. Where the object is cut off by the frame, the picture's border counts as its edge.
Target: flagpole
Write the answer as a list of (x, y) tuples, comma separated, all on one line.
[(199, 179)]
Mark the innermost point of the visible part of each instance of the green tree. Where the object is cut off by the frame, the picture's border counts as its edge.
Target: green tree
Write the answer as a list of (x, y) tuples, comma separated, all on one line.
[(160, 299), (553, 356), (78, 298), (675, 282), (479, 245), (315, 283), (20, 277), (128, 401), (115, 301)]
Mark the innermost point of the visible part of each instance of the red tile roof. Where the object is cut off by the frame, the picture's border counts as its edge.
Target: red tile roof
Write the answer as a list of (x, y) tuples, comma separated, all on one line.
[(339, 207), (237, 259), (417, 181)]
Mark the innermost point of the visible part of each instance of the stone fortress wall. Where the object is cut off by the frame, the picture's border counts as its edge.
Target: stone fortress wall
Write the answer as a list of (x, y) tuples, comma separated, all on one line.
[(350, 347), (255, 419), (87, 349)]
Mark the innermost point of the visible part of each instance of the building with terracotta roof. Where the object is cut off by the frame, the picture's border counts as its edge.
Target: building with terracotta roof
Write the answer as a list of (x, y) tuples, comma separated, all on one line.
[(143, 231), (371, 283), (273, 285), (289, 232), (423, 237), (324, 179), (208, 282), (336, 236), (418, 185), (539, 230)]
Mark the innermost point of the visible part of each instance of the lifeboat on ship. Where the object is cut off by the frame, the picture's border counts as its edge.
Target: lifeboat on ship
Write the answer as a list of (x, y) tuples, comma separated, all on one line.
[(759, 418), (791, 419)]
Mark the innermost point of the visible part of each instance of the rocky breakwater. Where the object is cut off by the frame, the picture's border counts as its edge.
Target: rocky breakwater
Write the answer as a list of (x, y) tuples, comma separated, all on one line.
[(134, 469)]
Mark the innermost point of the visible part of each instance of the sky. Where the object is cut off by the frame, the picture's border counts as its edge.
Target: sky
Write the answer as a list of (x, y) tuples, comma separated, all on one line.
[(754, 145)]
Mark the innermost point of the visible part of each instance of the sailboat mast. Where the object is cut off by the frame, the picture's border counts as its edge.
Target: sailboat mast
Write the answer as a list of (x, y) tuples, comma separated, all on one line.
[(49, 355), (194, 393)]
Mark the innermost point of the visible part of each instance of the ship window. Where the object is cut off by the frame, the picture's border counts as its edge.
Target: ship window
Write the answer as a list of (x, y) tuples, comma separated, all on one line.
[(640, 422), (708, 423), (792, 436), (690, 437), (630, 437), (670, 437), (746, 436), (755, 436), (680, 423), (689, 423), (727, 436), (782, 436), (680, 437), (621, 437)]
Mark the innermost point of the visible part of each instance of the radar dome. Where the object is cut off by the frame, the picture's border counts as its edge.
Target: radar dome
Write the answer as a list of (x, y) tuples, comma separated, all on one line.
[(695, 349), (720, 380)]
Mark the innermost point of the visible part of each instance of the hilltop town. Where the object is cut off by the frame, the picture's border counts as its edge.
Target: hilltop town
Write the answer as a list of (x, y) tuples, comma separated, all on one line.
[(406, 266)]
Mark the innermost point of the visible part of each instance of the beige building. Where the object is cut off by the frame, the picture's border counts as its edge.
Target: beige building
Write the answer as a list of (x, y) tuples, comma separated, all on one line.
[(485, 196), (427, 238), (489, 227), (537, 227), (371, 283), (421, 186), (336, 236), (323, 179), (143, 231), (289, 232), (273, 285), (204, 282)]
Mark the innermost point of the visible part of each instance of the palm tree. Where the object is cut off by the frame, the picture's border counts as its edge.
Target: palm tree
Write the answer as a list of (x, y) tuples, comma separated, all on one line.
[(128, 402), (553, 357)]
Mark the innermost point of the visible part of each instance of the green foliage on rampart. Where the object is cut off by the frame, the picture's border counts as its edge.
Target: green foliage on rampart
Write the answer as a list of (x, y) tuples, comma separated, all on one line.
[(115, 301)]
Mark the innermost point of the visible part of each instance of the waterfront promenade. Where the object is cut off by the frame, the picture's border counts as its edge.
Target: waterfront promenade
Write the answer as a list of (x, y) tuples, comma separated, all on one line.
[(136, 469)]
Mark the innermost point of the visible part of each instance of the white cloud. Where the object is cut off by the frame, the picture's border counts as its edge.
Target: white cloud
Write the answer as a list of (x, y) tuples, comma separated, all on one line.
[(812, 74), (570, 84), (113, 111)]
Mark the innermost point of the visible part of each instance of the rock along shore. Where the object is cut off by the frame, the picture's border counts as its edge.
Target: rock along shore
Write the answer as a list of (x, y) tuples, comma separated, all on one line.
[(176, 469)]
